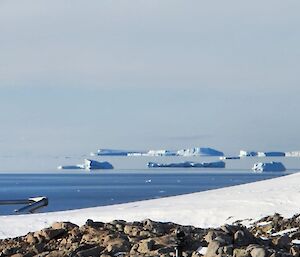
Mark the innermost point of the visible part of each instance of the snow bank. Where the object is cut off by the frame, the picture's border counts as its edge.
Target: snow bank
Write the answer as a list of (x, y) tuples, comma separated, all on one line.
[(205, 209)]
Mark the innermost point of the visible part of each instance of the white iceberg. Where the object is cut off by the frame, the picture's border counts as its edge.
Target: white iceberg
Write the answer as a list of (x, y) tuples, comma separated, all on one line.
[(160, 153), (87, 165), (71, 167), (268, 166), (292, 154), (199, 151), (273, 154), (247, 153), (115, 152), (261, 154), (219, 164)]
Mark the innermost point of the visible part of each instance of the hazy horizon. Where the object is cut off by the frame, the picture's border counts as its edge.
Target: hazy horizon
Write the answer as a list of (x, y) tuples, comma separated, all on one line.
[(76, 76)]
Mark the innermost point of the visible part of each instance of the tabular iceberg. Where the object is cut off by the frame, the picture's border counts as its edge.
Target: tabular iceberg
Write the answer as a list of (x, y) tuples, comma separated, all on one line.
[(197, 151), (292, 154), (115, 152), (261, 154), (88, 165), (268, 166), (219, 164), (202, 151)]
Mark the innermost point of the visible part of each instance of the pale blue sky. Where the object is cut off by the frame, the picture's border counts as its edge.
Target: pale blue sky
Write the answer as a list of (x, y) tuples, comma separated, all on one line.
[(79, 75)]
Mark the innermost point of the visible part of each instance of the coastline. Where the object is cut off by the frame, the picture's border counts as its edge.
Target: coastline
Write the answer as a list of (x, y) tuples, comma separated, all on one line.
[(204, 209)]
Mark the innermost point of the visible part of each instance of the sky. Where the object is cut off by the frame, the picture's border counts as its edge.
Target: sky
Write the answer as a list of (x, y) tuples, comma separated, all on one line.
[(79, 75)]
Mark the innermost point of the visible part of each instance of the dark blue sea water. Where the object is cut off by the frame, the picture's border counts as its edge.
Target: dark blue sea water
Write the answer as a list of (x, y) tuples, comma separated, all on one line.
[(78, 190)]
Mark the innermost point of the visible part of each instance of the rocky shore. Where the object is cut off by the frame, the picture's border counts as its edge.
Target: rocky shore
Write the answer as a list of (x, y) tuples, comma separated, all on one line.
[(272, 236)]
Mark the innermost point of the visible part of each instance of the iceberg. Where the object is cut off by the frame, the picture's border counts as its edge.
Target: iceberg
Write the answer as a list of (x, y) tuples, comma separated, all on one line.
[(88, 165), (71, 167), (261, 154), (199, 151), (292, 154), (218, 164), (94, 165), (160, 153), (274, 154), (114, 152), (268, 166), (230, 157), (247, 153)]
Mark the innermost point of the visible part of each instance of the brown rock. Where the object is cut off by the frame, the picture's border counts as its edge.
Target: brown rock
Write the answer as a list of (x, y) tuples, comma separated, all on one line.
[(146, 246), (118, 245), (214, 249), (258, 252), (240, 253), (64, 225), (295, 251)]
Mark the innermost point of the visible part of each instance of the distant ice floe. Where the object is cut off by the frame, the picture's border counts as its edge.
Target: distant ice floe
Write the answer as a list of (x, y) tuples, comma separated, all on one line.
[(268, 166), (114, 152), (219, 164), (197, 151), (230, 158), (88, 165), (261, 154), (293, 154)]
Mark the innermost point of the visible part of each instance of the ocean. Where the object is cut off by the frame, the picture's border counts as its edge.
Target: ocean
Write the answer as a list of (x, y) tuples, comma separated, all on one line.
[(81, 189)]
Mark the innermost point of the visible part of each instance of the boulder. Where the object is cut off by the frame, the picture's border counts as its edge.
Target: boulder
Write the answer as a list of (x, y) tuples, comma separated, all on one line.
[(146, 246)]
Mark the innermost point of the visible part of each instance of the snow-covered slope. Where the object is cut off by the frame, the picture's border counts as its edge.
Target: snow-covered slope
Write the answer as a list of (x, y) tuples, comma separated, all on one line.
[(204, 209)]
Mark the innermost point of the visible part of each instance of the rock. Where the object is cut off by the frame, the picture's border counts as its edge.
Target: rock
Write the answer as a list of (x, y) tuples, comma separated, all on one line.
[(295, 251), (64, 225), (118, 245), (243, 238), (94, 251), (214, 249), (154, 227), (131, 230), (258, 252), (222, 237), (282, 242), (49, 233), (38, 248), (230, 229), (30, 238), (17, 255), (146, 246), (94, 224), (240, 253)]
